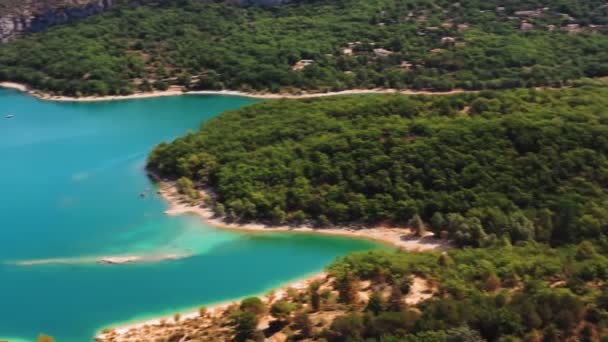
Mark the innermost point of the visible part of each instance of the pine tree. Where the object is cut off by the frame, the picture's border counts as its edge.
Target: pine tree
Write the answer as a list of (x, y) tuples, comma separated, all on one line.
[(418, 226), (245, 325), (492, 283), (395, 300), (347, 288), (315, 297), (445, 260), (375, 303), (302, 322)]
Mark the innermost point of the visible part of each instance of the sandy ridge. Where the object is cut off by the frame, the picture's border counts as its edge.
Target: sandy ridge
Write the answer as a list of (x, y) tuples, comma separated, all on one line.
[(104, 259)]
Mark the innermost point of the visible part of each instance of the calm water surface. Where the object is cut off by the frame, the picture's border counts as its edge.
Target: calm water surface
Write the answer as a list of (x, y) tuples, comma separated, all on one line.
[(71, 175)]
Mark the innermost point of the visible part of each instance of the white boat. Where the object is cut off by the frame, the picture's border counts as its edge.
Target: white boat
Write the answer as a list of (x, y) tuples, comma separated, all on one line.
[(8, 116)]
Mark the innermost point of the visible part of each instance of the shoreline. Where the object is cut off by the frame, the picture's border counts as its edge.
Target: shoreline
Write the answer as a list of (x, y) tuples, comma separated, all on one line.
[(398, 237), (274, 294), (395, 237), (178, 91)]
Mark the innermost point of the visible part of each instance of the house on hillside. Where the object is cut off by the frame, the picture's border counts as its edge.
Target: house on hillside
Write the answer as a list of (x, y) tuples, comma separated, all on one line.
[(301, 64), (382, 53), (405, 65)]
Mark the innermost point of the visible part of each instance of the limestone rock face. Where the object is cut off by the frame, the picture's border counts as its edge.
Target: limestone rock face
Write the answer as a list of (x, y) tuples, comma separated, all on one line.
[(18, 17), (23, 16)]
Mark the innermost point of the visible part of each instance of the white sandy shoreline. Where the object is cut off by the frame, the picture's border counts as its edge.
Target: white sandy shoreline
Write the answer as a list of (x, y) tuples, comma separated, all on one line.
[(177, 91), (397, 237), (213, 309)]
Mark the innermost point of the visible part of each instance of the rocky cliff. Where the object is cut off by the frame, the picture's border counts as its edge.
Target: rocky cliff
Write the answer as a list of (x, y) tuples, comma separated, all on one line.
[(23, 16)]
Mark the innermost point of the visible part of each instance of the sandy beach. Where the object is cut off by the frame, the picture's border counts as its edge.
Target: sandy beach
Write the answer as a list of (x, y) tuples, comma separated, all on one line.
[(12, 85), (399, 237), (122, 332), (178, 91)]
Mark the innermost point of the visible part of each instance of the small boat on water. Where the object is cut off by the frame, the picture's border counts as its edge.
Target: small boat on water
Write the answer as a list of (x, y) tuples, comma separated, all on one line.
[(9, 116)]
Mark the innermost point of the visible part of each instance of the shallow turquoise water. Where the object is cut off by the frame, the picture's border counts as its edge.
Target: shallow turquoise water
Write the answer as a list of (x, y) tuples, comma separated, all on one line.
[(70, 176)]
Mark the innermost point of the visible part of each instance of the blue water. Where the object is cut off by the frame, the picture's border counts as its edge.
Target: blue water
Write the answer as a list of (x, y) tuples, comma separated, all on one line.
[(71, 175)]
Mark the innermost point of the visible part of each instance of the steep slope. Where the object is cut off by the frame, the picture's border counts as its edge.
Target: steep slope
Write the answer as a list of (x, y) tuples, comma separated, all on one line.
[(27, 16), (20, 16)]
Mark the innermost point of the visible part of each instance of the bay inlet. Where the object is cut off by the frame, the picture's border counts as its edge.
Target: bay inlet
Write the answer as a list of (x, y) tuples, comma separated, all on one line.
[(71, 176)]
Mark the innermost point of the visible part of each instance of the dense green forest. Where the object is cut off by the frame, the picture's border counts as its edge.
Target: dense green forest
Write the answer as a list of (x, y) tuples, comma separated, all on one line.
[(419, 44), (522, 164), (524, 293), (529, 292)]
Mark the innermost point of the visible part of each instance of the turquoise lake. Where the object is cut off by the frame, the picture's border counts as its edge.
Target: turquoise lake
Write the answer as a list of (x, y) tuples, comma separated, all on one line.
[(71, 175)]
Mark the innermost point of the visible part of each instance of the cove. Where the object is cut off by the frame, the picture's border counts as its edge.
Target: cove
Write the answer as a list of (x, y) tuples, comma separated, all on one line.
[(71, 175)]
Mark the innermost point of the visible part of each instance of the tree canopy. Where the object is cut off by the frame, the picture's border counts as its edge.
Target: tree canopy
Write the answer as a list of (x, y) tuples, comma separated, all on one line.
[(420, 44), (519, 165), (544, 294)]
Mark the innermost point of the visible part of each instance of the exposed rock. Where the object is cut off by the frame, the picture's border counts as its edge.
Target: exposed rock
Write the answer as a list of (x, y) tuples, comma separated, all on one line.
[(448, 40), (533, 13), (19, 17), (573, 28), (405, 65), (463, 27), (382, 52), (525, 26)]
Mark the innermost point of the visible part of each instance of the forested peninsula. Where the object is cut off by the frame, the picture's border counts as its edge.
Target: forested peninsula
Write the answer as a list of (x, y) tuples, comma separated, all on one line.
[(517, 178), (519, 165), (315, 46)]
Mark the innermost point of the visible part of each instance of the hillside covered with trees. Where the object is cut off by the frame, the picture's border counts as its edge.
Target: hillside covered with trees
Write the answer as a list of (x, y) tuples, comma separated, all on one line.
[(529, 293), (316, 46), (521, 165)]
